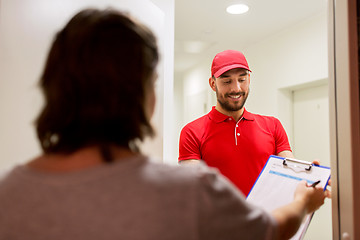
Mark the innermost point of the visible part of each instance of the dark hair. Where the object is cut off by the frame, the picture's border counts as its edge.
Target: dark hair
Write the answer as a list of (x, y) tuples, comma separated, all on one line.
[(94, 82)]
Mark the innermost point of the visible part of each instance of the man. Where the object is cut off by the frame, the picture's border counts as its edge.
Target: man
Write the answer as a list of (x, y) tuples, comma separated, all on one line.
[(230, 138)]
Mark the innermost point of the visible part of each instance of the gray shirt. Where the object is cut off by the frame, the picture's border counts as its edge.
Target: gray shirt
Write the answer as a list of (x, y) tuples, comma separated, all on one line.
[(130, 199)]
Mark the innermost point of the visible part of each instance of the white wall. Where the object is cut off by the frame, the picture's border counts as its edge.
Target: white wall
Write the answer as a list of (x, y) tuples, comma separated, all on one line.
[(162, 147), (26, 31), (296, 56)]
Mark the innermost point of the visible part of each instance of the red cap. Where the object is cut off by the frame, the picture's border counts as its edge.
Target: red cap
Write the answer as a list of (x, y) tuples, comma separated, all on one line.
[(227, 60)]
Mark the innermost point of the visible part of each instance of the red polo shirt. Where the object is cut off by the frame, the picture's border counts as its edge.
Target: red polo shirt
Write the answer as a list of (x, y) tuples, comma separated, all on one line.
[(238, 149)]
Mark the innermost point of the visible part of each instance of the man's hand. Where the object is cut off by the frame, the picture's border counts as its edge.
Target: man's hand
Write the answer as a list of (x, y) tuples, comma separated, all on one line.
[(327, 191)]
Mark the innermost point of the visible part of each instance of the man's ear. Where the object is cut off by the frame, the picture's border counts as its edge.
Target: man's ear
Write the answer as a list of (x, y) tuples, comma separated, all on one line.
[(212, 83)]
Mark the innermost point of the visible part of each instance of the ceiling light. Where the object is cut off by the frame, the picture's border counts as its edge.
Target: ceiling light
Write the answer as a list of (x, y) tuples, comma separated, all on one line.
[(237, 9)]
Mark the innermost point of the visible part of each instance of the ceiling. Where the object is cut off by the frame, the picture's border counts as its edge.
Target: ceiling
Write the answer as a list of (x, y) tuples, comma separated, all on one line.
[(203, 28)]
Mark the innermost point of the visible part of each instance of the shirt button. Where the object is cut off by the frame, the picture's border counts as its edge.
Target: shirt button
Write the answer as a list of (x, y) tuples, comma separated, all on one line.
[(229, 119), (237, 125), (238, 134)]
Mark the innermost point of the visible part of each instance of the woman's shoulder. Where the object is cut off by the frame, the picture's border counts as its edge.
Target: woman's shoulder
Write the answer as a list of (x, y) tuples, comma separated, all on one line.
[(196, 175)]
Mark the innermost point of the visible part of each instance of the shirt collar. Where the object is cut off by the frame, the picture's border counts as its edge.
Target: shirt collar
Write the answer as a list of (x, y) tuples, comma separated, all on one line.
[(218, 117), (248, 115)]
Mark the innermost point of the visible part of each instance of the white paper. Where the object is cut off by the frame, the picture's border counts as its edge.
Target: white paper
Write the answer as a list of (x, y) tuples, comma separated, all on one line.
[(275, 186)]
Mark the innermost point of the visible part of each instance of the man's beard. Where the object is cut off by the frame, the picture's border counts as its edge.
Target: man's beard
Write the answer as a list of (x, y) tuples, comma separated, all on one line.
[(232, 107)]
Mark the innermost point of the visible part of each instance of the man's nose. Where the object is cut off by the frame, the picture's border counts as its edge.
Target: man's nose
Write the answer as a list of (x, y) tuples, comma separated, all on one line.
[(236, 87)]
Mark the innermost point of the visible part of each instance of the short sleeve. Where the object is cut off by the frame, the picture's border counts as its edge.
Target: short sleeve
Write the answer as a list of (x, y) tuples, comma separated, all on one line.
[(225, 214), (189, 144), (281, 138)]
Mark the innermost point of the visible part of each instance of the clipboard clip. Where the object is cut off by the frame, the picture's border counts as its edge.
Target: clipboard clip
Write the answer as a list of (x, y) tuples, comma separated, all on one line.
[(297, 164)]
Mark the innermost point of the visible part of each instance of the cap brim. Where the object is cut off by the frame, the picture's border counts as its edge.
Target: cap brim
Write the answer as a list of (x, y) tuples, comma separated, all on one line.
[(229, 67)]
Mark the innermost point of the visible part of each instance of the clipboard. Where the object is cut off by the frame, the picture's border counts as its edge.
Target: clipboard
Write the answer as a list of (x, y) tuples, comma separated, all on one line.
[(276, 184)]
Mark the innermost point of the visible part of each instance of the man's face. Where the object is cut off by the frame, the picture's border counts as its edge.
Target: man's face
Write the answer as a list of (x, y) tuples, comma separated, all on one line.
[(232, 89)]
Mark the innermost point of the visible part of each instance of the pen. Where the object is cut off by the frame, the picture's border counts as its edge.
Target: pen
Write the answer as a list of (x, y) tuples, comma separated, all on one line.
[(315, 183)]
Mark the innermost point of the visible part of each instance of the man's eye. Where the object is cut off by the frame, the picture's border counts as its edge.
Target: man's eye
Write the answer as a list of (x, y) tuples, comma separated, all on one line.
[(227, 82)]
